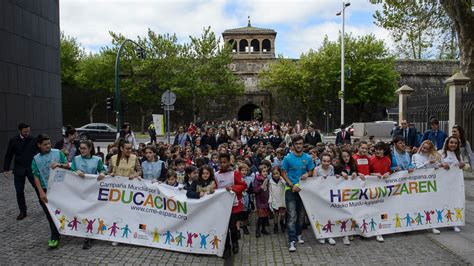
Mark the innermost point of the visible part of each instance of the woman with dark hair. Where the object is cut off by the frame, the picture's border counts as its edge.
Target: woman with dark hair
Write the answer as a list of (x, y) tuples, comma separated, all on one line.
[(127, 134), (69, 145), (124, 163), (87, 163), (465, 147)]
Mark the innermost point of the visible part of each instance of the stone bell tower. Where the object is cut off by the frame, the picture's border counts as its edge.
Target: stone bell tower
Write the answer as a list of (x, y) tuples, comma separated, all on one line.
[(252, 49)]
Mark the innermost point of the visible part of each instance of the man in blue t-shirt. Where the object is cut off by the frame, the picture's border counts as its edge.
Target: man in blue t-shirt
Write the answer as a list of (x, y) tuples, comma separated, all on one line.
[(296, 166)]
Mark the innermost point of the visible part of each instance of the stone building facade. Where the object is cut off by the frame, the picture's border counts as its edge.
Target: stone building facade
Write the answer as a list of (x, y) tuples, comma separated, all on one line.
[(254, 49)]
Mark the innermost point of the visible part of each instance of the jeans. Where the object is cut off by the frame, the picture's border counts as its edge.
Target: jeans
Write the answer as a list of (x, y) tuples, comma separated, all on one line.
[(19, 182), (52, 226), (295, 210)]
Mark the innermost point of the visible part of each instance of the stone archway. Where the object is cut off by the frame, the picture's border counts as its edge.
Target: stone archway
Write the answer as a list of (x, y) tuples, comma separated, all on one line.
[(249, 112)]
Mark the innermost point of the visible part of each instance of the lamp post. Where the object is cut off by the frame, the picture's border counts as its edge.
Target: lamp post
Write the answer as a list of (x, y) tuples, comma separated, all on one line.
[(344, 5), (141, 52)]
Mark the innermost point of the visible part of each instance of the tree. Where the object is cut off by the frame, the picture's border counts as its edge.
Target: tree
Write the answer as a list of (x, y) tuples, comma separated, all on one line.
[(462, 15), (316, 76), (95, 73), (289, 78), (419, 28), (208, 71), (70, 55)]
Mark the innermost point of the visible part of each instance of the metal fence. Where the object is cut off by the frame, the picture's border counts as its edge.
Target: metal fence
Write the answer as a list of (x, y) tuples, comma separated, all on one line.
[(422, 107)]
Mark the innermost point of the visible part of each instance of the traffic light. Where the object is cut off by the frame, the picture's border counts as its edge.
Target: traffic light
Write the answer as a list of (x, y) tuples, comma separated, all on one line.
[(110, 103), (124, 107)]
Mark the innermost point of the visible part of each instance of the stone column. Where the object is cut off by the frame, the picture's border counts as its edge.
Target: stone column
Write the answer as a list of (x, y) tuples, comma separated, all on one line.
[(455, 85), (403, 93)]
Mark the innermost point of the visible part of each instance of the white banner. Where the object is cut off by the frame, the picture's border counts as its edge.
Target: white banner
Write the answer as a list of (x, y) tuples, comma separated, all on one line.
[(159, 124), (139, 213), (404, 202)]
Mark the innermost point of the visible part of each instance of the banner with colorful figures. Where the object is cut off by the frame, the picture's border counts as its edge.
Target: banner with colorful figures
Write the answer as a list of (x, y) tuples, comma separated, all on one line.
[(139, 213), (403, 202)]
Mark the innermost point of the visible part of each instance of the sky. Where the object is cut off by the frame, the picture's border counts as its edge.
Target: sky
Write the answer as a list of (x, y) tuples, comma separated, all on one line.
[(300, 24)]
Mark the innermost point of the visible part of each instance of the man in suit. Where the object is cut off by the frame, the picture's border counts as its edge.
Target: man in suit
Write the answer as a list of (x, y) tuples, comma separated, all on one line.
[(312, 137), (408, 134), (343, 137), (23, 148)]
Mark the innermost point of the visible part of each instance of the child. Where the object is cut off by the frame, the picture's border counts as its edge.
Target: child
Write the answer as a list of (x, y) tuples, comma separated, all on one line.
[(361, 159), (260, 188), (427, 156), (380, 166), (346, 166), (204, 185), (325, 170), (244, 170), (280, 153), (172, 178), (277, 200), (45, 160), (231, 180), (401, 159), (190, 176), (153, 169), (314, 156), (180, 165), (451, 156), (214, 163)]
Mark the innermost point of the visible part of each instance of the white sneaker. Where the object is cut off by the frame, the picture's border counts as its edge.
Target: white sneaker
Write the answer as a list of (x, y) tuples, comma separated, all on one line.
[(457, 229), (332, 241), (435, 231), (322, 241), (300, 239), (115, 243), (346, 240), (379, 238), (292, 246)]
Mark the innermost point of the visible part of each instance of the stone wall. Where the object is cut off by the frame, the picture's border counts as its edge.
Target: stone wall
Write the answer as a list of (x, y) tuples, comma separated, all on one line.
[(30, 80)]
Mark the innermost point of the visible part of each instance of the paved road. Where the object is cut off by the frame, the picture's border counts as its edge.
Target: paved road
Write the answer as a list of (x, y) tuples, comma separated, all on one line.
[(26, 242)]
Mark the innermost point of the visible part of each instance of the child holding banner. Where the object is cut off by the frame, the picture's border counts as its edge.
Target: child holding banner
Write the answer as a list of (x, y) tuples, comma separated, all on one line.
[(427, 156), (361, 159), (124, 163), (231, 180), (401, 159), (346, 166), (45, 160), (380, 166), (204, 185), (87, 163), (451, 157), (325, 170)]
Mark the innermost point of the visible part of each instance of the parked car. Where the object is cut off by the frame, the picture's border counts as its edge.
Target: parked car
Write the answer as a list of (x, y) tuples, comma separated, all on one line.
[(97, 131)]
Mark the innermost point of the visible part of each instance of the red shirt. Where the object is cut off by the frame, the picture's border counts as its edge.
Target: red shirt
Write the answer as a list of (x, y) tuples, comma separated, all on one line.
[(362, 163), (238, 187), (380, 165)]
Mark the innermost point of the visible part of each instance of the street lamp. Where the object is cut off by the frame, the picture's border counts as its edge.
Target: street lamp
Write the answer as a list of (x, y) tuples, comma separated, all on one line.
[(344, 5), (141, 54)]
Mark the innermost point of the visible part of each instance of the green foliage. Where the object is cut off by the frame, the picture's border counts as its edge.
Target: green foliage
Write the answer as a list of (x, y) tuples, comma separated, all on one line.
[(71, 55), (316, 76), (420, 28)]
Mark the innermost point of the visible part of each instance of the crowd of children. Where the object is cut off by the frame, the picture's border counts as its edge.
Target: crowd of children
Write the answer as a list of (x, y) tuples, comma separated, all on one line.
[(248, 158)]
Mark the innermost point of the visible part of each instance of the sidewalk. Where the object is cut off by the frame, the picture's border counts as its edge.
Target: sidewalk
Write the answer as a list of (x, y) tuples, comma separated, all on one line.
[(26, 242)]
